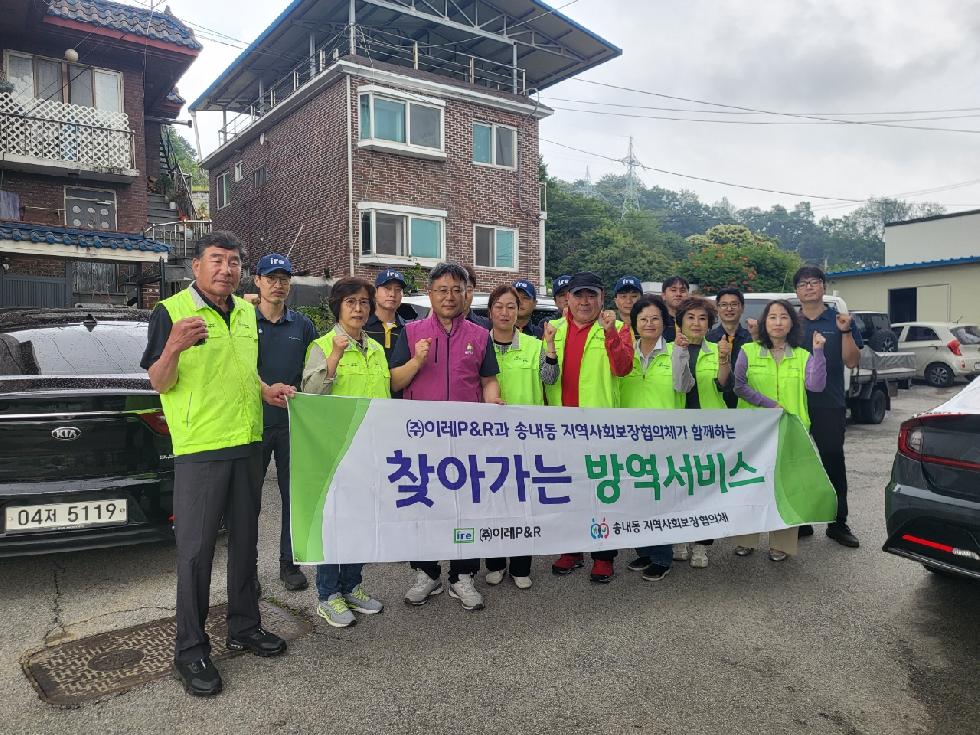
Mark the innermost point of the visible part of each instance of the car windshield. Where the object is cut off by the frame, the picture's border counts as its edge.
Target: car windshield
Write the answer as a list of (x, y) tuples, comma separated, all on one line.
[(967, 335), (73, 349)]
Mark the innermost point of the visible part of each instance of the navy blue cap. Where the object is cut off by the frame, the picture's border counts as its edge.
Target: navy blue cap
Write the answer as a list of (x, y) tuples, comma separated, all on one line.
[(271, 263), (388, 276), (528, 288), (628, 283), (560, 284)]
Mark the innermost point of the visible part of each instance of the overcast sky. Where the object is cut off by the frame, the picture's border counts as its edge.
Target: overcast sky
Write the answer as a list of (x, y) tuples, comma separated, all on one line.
[(799, 56)]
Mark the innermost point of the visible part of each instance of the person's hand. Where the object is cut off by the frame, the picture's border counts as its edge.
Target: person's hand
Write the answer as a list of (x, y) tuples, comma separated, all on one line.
[(818, 341), (549, 334), (681, 341), (422, 350), (844, 322), (252, 298), (187, 332), (725, 349), (277, 394), (340, 342), (753, 326), (607, 320), (498, 402)]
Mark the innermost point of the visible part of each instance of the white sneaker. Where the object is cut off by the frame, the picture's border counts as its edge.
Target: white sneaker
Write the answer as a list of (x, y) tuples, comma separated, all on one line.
[(424, 588), (495, 578), (523, 583), (699, 556), (464, 591), (682, 552)]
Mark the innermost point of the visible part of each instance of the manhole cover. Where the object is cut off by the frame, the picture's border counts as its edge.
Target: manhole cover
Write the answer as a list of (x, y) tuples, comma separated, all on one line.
[(108, 663)]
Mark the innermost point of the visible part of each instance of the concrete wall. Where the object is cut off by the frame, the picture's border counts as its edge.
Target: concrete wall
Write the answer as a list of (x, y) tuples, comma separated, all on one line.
[(943, 294), (938, 239)]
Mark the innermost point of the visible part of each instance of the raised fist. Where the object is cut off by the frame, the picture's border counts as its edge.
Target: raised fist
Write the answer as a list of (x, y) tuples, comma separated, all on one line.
[(549, 332), (844, 322), (725, 348), (753, 326), (340, 342), (422, 350), (681, 341), (607, 319), (818, 341)]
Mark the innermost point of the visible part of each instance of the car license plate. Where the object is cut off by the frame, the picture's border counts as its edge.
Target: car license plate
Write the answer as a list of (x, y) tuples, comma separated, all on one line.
[(65, 515)]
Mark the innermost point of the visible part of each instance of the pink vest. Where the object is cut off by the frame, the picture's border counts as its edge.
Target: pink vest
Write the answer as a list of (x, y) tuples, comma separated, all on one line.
[(452, 369)]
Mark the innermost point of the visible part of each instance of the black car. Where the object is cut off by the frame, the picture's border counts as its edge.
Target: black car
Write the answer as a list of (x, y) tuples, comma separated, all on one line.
[(876, 330), (932, 503), (85, 453)]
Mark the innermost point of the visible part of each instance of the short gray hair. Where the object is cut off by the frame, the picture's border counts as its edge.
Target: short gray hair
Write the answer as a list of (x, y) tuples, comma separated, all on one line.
[(456, 272)]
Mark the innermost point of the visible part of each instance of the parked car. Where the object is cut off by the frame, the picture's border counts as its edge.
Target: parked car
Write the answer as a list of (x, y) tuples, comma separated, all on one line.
[(417, 307), (876, 330), (85, 454), (932, 502), (943, 351)]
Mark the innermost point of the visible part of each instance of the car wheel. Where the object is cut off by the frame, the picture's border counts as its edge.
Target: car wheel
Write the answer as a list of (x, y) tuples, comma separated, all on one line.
[(939, 375), (884, 340), (877, 407)]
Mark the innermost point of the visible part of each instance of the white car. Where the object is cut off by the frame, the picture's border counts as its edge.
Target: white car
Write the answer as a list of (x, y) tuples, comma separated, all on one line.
[(943, 351)]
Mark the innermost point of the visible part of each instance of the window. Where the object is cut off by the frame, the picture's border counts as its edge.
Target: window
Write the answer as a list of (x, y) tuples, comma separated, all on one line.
[(401, 234), (238, 172), (90, 209), (921, 334), (259, 177), (95, 278), (223, 193), (401, 122), (49, 79), (494, 145), (495, 247)]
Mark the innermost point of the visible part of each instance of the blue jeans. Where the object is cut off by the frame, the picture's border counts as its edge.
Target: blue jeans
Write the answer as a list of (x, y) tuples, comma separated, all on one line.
[(660, 555), (334, 578)]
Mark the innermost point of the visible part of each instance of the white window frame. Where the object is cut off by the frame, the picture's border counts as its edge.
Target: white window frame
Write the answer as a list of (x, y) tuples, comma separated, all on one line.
[(496, 229), (493, 145), (64, 70), (366, 139), (239, 166), (222, 186), (376, 208), (115, 205)]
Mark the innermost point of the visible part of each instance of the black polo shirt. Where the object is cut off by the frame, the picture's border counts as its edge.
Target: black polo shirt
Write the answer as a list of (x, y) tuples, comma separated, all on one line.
[(385, 337), (833, 395), (533, 330), (282, 354)]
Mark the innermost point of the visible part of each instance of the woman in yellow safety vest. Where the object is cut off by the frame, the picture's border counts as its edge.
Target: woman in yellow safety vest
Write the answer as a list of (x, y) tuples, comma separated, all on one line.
[(653, 383), (776, 372), (526, 363), (707, 370), (346, 362)]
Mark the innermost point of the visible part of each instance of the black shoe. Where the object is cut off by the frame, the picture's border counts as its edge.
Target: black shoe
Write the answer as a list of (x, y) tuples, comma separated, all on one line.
[(292, 577), (805, 530), (260, 642), (655, 572), (639, 564), (843, 535), (200, 678)]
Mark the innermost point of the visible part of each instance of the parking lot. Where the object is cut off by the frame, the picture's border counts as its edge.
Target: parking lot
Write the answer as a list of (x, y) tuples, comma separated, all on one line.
[(834, 641)]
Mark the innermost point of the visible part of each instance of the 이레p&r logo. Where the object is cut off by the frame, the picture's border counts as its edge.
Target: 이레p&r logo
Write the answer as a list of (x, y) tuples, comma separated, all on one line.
[(464, 536)]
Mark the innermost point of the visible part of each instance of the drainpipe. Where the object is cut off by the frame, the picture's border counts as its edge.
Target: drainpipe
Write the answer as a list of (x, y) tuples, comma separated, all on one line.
[(350, 174)]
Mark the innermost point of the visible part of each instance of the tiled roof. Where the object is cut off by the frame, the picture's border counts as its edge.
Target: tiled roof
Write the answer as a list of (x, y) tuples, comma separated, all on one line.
[(906, 267), (95, 239), (160, 26)]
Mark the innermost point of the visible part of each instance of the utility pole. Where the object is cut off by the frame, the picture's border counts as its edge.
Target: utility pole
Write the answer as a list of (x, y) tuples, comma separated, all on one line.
[(631, 198)]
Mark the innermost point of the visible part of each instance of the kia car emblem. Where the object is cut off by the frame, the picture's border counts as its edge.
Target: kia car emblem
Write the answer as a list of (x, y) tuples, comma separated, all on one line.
[(66, 433)]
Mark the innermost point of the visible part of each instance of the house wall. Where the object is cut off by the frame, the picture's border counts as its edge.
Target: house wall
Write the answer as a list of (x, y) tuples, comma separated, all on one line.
[(938, 239), (306, 159), (944, 294)]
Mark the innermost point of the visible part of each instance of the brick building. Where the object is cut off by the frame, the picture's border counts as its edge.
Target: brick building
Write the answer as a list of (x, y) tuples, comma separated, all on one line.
[(86, 87), (401, 137)]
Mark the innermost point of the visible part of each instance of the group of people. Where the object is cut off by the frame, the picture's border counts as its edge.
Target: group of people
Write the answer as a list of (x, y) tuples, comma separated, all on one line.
[(214, 358)]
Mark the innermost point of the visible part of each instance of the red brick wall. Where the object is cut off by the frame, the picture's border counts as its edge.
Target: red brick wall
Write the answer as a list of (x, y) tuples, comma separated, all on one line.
[(306, 159), (36, 265)]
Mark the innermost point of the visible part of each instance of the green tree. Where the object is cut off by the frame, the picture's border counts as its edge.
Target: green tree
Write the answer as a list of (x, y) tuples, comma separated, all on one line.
[(187, 158), (734, 255)]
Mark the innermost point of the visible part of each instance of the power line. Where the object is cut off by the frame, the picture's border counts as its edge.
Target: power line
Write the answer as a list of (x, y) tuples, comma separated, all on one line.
[(738, 112)]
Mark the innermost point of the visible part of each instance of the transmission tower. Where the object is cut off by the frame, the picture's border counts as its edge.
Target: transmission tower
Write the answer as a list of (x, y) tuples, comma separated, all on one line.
[(588, 188), (631, 199)]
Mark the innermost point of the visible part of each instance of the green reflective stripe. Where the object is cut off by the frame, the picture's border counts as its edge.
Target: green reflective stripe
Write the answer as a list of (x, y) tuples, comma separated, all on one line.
[(359, 374), (802, 489), (653, 387), (784, 382), (217, 399), (520, 373), (597, 386)]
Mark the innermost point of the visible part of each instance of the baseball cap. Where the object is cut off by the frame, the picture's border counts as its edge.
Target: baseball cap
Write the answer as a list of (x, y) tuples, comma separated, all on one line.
[(628, 283), (560, 284), (585, 280), (271, 263), (528, 288), (388, 276)]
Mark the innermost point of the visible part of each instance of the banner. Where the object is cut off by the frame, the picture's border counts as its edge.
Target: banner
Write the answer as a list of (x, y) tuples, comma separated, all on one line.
[(390, 480)]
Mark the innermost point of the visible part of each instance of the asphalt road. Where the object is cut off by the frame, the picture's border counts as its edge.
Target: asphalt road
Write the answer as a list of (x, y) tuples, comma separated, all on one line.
[(835, 641)]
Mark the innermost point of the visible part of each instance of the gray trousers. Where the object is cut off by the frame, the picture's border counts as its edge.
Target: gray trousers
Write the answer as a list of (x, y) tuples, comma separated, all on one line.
[(203, 493)]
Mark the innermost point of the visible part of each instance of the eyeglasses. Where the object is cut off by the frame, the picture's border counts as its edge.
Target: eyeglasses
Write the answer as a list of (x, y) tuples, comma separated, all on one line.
[(444, 292), (733, 305), (810, 283), (353, 302)]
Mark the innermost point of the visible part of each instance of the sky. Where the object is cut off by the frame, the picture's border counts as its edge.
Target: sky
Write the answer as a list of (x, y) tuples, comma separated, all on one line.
[(824, 57)]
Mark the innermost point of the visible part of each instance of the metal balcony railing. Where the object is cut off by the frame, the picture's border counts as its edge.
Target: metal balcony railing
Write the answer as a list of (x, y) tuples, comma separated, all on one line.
[(49, 132), (180, 236)]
